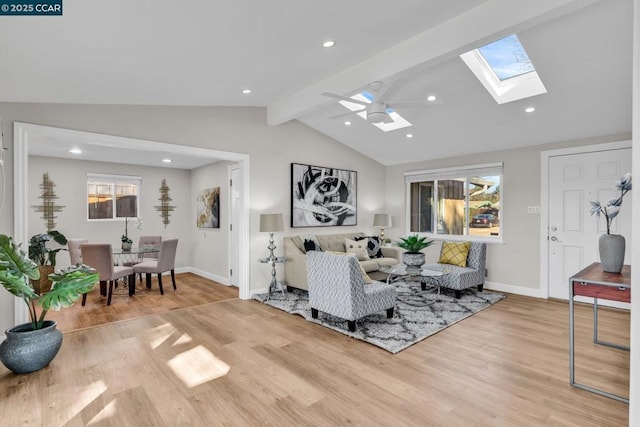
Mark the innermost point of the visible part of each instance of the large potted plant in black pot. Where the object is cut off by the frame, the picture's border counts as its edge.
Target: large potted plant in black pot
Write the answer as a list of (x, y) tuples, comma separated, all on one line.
[(45, 257), (31, 346), (413, 258)]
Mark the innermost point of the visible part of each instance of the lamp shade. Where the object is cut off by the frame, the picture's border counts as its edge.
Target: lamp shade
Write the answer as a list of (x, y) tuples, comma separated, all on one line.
[(270, 223), (382, 220)]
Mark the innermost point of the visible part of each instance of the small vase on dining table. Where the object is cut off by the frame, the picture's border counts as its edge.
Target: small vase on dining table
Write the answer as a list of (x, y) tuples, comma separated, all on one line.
[(612, 248), (126, 246)]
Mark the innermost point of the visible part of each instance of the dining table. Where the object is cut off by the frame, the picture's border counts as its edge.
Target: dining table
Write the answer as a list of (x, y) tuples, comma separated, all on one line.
[(130, 257)]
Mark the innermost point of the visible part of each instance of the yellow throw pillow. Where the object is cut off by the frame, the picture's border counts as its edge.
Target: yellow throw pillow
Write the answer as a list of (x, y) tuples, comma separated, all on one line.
[(358, 248), (455, 253)]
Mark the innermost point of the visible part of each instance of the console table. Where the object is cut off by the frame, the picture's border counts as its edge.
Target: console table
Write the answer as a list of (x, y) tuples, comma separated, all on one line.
[(595, 283)]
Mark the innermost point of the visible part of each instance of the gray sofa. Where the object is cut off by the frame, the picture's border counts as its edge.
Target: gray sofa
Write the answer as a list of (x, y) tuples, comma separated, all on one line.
[(295, 268)]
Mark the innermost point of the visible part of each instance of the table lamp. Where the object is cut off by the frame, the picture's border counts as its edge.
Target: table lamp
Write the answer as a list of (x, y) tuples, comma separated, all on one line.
[(270, 223), (382, 221)]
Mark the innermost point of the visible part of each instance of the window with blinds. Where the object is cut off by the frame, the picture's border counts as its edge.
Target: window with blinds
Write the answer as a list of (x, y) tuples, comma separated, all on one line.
[(462, 201)]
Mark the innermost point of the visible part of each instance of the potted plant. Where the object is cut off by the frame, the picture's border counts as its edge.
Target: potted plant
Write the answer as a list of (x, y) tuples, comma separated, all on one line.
[(413, 258), (31, 346), (45, 257), (612, 246)]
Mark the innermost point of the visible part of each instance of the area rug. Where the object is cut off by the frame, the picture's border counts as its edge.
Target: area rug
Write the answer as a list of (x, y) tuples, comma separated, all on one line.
[(418, 314)]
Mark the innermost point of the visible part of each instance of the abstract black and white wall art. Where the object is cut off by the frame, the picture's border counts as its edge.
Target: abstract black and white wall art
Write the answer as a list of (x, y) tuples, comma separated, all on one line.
[(322, 196), (208, 208)]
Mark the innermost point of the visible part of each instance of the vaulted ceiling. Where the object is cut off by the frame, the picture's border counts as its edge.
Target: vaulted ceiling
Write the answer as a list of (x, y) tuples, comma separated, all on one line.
[(206, 52)]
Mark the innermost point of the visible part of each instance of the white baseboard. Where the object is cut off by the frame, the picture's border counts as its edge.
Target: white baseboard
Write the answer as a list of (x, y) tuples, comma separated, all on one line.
[(259, 291), (519, 290), (216, 278)]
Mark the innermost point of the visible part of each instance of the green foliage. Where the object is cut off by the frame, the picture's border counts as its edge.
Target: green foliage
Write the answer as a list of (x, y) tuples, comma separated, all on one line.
[(38, 250), (16, 270), (414, 243)]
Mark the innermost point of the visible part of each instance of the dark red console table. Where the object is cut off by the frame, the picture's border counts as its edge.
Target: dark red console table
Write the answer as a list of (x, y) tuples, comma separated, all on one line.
[(595, 283)]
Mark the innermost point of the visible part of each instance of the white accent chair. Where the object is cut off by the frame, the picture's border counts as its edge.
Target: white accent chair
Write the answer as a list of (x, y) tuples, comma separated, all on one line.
[(100, 257), (166, 262), (337, 287)]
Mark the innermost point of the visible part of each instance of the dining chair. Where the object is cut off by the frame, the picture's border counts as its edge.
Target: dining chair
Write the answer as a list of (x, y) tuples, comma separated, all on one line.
[(100, 257), (166, 262), (75, 254), (148, 241)]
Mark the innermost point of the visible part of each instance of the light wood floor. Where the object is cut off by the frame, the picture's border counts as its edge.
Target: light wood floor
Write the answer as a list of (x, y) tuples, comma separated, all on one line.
[(242, 363), (191, 290)]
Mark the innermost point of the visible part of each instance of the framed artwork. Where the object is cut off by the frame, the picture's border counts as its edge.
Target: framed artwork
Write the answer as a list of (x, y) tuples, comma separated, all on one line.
[(322, 196), (208, 208)]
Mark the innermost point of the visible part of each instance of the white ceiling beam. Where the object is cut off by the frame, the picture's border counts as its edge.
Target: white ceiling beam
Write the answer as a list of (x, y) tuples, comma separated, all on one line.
[(480, 25)]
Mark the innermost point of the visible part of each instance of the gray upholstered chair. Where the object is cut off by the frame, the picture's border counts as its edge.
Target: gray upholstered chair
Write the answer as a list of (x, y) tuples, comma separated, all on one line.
[(75, 254), (100, 257), (337, 287), (166, 262), (459, 278), (148, 241)]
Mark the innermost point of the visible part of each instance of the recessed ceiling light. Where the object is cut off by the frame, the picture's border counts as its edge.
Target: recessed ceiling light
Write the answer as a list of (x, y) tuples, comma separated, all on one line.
[(347, 123), (75, 151), (431, 98), (167, 160), (530, 109), (329, 43), (409, 135), (246, 91)]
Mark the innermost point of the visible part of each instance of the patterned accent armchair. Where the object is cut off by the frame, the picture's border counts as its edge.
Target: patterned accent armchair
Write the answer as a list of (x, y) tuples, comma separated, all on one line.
[(459, 278), (337, 287)]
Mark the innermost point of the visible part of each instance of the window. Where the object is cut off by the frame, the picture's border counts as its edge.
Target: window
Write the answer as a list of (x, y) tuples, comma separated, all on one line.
[(456, 202), (505, 70), (112, 196)]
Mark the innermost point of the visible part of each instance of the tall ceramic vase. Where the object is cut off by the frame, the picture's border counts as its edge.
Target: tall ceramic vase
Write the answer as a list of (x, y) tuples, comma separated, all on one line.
[(612, 247)]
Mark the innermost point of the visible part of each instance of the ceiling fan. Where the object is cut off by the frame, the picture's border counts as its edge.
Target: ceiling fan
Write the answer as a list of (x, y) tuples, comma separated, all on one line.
[(376, 109)]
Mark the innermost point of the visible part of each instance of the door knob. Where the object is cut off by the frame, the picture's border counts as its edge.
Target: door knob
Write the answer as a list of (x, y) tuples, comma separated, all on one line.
[(554, 239), (554, 228)]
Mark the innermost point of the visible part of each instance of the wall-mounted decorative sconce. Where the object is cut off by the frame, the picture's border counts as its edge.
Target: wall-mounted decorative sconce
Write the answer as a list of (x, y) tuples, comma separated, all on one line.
[(165, 208)]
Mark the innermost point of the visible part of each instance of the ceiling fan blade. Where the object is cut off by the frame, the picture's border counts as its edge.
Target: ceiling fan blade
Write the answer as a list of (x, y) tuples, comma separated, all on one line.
[(344, 98), (386, 93), (414, 104), (347, 114)]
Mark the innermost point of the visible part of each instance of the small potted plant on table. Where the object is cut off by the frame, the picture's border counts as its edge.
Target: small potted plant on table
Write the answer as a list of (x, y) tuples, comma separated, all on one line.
[(31, 346), (413, 258)]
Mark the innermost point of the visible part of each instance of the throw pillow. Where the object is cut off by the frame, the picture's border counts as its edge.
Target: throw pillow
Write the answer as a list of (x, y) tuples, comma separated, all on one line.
[(455, 253), (359, 249), (311, 245), (373, 246)]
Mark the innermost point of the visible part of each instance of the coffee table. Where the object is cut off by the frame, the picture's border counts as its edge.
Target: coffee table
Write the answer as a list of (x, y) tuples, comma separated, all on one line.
[(425, 276)]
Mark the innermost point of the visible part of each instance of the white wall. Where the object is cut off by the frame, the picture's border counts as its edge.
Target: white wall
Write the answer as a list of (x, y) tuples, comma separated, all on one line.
[(70, 179), (210, 246), (243, 130), (516, 262)]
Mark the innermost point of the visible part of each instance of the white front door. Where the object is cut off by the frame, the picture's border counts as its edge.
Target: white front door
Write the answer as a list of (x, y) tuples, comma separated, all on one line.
[(574, 181), (234, 236)]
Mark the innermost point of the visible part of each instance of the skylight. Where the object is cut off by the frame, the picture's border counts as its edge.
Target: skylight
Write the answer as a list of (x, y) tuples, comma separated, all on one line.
[(507, 58), (505, 70), (399, 122)]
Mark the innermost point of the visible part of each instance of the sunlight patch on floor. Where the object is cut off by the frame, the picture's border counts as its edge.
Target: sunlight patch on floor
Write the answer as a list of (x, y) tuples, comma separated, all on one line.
[(197, 366), (87, 396), (160, 334), (184, 339), (107, 412)]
